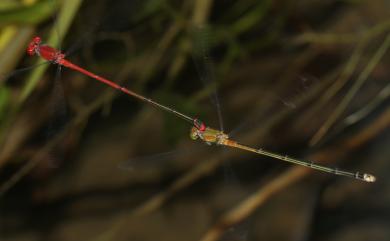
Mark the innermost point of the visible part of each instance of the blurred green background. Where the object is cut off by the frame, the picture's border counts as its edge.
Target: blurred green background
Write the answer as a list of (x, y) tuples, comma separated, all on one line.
[(79, 161)]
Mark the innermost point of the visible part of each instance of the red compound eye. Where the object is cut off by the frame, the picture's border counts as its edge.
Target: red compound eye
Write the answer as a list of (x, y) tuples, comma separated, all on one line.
[(37, 40), (33, 45)]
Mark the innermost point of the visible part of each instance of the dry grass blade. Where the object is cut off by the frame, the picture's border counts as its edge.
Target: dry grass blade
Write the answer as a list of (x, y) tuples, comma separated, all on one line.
[(339, 83), (352, 92), (331, 38)]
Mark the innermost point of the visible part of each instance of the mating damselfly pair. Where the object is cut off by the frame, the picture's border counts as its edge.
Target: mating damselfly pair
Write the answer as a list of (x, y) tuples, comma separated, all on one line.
[(199, 129)]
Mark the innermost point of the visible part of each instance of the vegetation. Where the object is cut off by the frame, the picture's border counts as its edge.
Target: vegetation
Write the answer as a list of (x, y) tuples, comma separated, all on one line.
[(79, 161)]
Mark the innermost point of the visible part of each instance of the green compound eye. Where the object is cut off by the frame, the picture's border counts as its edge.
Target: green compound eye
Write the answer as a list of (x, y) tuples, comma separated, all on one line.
[(194, 133)]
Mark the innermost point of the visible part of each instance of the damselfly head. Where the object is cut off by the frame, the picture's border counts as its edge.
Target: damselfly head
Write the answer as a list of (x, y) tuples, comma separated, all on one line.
[(34, 45), (199, 125), (194, 135)]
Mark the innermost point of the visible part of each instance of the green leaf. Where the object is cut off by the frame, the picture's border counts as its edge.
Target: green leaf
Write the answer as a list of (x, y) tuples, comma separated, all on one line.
[(65, 17), (31, 14), (4, 101)]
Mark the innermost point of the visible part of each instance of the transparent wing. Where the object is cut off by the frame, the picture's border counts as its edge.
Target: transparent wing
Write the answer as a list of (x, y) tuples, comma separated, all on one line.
[(206, 70), (85, 37), (58, 117), (205, 67), (21, 71)]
